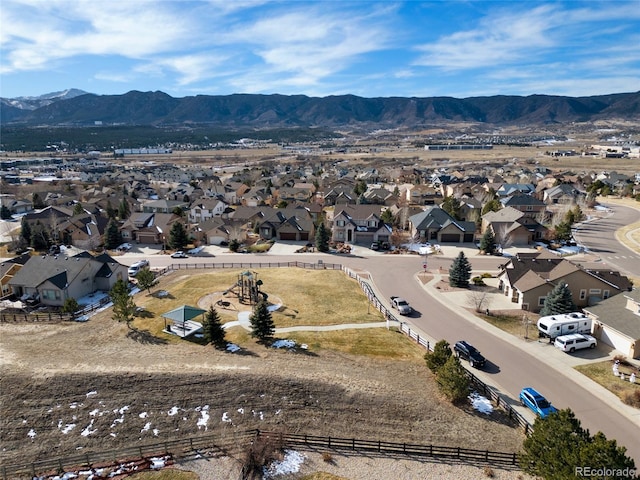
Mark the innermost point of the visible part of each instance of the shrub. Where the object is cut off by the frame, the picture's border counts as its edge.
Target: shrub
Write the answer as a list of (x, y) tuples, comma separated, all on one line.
[(632, 398), (478, 281), (327, 457), (486, 275), (488, 472)]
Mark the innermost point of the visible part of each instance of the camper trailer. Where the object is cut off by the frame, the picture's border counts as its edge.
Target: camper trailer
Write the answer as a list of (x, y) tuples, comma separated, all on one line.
[(553, 326)]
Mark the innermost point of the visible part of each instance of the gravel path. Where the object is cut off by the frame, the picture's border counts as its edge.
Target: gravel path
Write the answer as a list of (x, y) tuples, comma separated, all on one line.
[(360, 468)]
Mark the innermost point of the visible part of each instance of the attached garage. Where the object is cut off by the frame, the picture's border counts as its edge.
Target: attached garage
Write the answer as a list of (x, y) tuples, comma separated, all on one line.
[(287, 236), (450, 237)]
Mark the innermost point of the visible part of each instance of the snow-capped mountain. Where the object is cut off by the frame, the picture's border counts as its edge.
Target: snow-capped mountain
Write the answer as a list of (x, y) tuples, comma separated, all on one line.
[(32, 103)]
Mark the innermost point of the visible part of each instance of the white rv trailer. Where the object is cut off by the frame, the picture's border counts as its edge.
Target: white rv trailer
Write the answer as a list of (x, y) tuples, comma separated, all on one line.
[(553, 326)]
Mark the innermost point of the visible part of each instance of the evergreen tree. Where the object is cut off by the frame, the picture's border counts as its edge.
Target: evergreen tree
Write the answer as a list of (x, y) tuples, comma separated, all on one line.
[(436, 359), (146, 279), (491, 206), (5, 213), (559, 446), (36, 200), (451, 205), (177, 236), (262, 326), (558, 301), (178, 211), (453, 381), (124, 307), (111, 212), (123, 210), (488, 242), (460, 271), (213, 330), (322, 238), (387, 216), (112, 236), (25, 230), (360, 188), (70, 305), (77, 209)]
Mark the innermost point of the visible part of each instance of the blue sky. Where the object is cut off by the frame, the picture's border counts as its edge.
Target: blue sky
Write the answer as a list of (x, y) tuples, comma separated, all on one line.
[(320, 48)]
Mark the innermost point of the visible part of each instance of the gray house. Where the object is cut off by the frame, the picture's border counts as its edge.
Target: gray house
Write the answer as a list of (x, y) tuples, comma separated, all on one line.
[(434, 224), (53, 279)]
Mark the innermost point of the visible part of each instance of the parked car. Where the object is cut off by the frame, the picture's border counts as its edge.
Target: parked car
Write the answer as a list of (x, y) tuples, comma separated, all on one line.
[(463, 350), (125, 247), (375, 246), (179, 254), (575, 341), (531, 399), (136, 267), (401, 305)]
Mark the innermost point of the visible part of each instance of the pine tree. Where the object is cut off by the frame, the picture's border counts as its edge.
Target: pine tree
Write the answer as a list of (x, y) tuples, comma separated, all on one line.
[(25, 230), (112, 236), (262, 326), (123, 210), (559, 446), (213, 330), (146, 279), (488, 242), (451, 205), (77, 209), (453, 381), (177, 236), (36, 200), (436, 359), (460, 271), (111, 212), (5, 213), (40, 238), (124, 307), (322, 238), (558, 301)]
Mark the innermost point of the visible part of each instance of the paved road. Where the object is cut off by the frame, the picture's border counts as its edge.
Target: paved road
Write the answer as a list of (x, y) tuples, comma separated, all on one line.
[(512, 366), (599, 237)]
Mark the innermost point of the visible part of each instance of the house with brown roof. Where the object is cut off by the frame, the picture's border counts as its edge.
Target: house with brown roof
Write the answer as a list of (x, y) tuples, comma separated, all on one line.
[(528, 278), (148, 227), (512, 227), (359, 224), (293, 224), (616, 322)]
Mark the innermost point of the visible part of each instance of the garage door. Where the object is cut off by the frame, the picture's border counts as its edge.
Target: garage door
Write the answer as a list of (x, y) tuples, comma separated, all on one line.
[(450, 237), (304, 236), (287, 236), (468, 237)]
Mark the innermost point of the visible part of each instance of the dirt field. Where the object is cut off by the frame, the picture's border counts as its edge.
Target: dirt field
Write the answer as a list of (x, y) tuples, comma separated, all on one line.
[(97, 385)]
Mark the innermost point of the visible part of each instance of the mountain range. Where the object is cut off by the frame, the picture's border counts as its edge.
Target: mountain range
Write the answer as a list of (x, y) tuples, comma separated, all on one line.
[(77, 108)]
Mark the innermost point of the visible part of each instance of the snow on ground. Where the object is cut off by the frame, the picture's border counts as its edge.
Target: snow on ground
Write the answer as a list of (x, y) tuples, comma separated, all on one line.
[(289, 464), (283, 344), (480, 403)]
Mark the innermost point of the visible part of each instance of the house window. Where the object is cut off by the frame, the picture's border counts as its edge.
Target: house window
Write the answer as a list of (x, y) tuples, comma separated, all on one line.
[(372, 223), (529, 208), (583, 294), (594, 291), (340, 223), (605, 294), (51, 294), (541, 301)]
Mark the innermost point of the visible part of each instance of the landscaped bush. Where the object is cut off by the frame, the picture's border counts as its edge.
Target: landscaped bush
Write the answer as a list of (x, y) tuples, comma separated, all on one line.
[(478, 281), (486, 275), (632, 398)]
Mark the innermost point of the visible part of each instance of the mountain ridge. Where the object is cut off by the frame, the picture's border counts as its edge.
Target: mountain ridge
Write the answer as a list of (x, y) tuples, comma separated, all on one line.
[(275, 110)]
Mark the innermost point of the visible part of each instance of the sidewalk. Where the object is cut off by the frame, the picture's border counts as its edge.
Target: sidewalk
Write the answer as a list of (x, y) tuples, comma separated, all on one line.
[(559, 361)]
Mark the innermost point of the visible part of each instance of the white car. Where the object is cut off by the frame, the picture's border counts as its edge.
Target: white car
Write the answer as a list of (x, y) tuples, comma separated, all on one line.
[(179, 254), (125, 247), (575, 341), (136, 267)]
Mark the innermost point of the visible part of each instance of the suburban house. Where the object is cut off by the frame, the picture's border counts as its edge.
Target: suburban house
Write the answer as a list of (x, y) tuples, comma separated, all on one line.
[(435, 224), (163, 206), (423, 194), (148, 227), (52, 279), (563, 194), (527, 204), (616, 322), (359, 224), (340, 195), (287, 224), (512, 227), (8, 269), (528, 278), (205, 208), (82, 231)]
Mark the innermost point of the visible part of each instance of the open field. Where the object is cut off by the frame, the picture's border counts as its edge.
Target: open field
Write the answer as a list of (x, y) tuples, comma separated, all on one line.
[(98, 385)]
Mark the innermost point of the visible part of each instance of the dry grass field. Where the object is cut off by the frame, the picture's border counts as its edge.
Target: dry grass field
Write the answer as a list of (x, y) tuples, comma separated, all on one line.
[(98, 385)]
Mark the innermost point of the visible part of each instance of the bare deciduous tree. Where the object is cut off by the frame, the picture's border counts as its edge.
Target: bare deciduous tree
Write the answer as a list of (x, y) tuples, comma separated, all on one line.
[(479, 300)]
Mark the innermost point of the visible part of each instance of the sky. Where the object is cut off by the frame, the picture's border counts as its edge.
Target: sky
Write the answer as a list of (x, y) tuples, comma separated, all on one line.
[(319, 48)]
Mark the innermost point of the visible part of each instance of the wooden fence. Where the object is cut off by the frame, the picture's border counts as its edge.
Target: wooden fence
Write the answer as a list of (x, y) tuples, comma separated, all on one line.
[(211, 443), (319, 265)]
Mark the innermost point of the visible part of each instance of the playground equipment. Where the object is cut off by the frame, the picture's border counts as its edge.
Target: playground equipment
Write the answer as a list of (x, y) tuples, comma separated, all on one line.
[(247, 288)]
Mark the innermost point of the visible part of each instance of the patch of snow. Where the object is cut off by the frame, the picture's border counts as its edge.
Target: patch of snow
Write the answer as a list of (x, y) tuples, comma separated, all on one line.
[(204, 419), (146, 428), (480, 403), (87, 431), (94, 412), (31, 434), (68, 427), (158, 462), (291, 463), (225, 417), (173, 411), (241, 410), (283, 344), (93, 392), (232, 347), (143, 415)]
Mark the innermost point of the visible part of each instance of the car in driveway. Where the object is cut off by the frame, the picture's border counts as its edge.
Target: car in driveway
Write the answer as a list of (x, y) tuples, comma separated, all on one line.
[(179, 254), (401, 305), (125, 247), (575, 341), (530, 398), (463, 350)]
